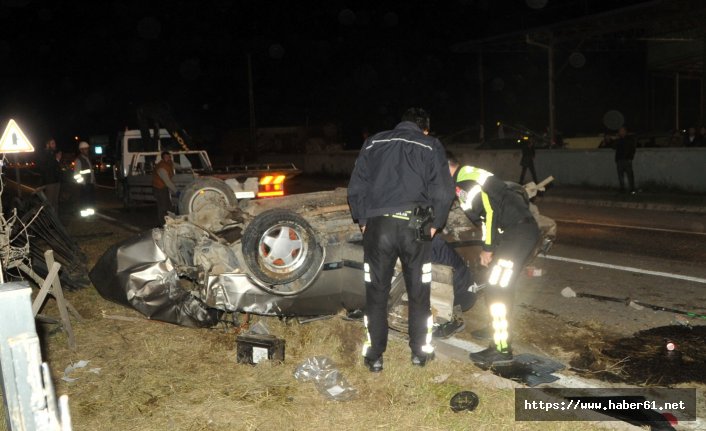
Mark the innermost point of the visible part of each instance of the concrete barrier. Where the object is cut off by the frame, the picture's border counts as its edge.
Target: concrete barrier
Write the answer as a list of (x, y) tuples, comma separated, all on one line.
[(655, 168)]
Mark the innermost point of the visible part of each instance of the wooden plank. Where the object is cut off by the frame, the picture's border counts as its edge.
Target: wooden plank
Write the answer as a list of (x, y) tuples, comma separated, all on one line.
[(58, 294)]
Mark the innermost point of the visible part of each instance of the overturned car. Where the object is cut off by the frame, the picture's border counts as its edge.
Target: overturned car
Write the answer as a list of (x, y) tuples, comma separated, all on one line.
[(299, 255)]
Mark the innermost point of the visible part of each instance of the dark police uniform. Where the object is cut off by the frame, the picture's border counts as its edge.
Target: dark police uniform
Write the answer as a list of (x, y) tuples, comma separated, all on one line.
[(397, 171), (509, 231)]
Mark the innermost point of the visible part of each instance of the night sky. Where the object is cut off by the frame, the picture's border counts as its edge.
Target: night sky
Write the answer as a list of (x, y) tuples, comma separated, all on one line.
[(82, 68)]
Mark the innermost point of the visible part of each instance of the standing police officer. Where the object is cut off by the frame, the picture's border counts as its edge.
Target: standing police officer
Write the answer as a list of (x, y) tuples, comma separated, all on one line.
[(510, 235), (398, 173)]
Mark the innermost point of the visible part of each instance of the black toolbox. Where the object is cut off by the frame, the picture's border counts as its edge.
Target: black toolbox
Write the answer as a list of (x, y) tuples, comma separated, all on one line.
[(255, 348)]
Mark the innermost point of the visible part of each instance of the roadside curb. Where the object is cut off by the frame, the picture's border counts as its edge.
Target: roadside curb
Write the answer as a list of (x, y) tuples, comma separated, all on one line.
[(652, 206)]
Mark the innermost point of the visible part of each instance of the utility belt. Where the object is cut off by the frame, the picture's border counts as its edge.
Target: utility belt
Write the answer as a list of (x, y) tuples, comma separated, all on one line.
[(419, 220)]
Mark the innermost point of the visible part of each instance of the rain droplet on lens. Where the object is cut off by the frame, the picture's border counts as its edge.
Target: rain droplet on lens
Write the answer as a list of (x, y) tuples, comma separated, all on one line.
[(391, 19), (45, 14), (149, 28), (346, 17), (190, 69), (577, 60), (276, 51), (613, 120), (536, 4)]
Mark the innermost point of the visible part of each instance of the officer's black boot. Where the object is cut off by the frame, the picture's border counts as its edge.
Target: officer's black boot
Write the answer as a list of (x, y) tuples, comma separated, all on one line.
[(373, 364), (491, 356)]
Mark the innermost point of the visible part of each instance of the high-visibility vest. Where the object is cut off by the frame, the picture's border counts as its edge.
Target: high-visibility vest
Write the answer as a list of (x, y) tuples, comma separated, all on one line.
[(156, 179)]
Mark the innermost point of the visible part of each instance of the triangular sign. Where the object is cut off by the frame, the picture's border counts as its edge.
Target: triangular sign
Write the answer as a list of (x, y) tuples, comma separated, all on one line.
[(14, 140)]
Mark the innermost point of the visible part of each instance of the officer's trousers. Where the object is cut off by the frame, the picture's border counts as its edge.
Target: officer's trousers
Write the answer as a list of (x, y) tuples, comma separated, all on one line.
[(443, 253), (516, 245), (385, 239)]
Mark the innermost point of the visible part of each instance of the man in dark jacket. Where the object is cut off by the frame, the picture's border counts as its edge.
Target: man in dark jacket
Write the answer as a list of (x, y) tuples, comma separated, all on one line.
[(527, 161), (50, 172), (510, 235), (624, 153), (397, 172)]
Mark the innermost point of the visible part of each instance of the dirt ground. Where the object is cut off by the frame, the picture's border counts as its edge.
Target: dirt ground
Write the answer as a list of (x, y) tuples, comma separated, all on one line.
[(148, 375)]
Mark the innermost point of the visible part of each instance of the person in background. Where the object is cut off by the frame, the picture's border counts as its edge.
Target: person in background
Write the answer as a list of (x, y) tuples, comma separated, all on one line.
[(527, 161), (50, 172), (85, 177), (162, 185), (624, 154), (702, 136), (691, 139), (399, 174)]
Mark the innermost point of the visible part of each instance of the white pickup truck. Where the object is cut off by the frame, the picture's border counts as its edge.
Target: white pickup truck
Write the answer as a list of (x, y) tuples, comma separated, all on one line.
[(197, 182)]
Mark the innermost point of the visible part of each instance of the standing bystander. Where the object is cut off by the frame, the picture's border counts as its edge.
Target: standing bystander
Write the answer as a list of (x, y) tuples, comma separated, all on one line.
[(400, 174), (527, 160), (50, 172), (162, 185), (624, 153)]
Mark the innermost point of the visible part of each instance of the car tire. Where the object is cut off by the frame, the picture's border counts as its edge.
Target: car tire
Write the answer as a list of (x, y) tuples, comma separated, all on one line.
[(281, 252), (205, 192)]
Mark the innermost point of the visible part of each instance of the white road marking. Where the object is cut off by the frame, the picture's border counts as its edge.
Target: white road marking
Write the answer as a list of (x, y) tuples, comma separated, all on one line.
[(626, 268), (624, 226)]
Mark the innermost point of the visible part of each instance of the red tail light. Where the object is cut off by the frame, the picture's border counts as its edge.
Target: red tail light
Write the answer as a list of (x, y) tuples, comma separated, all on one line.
[(271, 185)]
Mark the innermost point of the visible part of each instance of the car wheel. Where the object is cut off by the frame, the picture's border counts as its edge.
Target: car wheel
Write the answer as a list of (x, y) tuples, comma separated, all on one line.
[(281, 252), (204, 193)]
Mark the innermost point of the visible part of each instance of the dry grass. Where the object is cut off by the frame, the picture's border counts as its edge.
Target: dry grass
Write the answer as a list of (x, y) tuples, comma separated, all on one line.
[(157, 376)]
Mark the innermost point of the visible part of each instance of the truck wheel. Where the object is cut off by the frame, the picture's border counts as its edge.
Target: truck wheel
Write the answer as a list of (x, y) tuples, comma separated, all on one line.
[(281, 252), (206, 192)]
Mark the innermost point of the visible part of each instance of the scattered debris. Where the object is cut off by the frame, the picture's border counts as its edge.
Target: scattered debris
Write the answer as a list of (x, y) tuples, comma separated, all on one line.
[(568, 292), (464, 400), (75, 366), (441, 378), (326, 377), (529, 369), (36, 218), (534, 271), (666, 355)]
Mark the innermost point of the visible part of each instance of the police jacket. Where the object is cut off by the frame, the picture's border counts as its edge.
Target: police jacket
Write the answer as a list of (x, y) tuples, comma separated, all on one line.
[(398, 170), (487, 200)]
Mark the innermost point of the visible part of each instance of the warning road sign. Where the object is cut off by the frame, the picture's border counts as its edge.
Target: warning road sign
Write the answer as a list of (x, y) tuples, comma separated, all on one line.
[(13, 140)]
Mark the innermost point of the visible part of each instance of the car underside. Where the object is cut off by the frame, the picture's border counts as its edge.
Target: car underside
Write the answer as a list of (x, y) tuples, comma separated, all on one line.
[(299, 255)]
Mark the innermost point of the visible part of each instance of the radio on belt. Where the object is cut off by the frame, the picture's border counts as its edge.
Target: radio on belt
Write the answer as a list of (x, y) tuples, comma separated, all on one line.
[(255, 348)]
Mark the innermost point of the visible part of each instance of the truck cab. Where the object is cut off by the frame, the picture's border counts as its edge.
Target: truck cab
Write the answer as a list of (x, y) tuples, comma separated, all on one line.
[(197, 182)]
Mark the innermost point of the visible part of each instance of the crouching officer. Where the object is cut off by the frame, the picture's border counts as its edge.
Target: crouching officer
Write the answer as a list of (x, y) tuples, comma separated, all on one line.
[(510, 235), (398, 176)]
